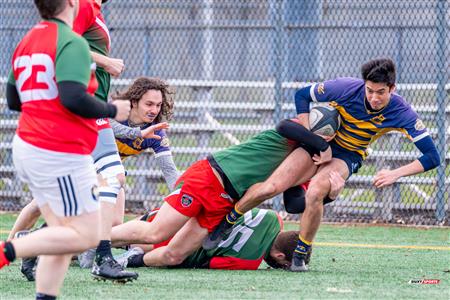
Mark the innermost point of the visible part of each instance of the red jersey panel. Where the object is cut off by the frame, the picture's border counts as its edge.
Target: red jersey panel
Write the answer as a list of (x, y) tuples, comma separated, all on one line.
[(44, 121)]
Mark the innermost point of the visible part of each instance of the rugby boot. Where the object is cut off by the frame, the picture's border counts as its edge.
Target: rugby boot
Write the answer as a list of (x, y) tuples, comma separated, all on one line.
[(213, 239), (298, 263), (109, 269), (124, 258)]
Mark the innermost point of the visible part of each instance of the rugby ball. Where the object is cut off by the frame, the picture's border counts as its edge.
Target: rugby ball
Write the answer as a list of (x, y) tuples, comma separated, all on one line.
[(324, 120)]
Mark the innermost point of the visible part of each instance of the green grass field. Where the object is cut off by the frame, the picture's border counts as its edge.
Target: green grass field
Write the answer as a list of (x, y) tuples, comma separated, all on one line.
[(349, 262)]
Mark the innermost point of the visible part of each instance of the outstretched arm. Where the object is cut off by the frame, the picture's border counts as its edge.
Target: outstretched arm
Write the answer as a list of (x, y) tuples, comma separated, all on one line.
[(429, 160)]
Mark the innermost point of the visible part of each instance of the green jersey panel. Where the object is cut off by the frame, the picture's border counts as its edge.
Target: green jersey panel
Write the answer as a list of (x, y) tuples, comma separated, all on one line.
[(254, 160), (72, 63), (104, 83), (251, 238), (11, 79)]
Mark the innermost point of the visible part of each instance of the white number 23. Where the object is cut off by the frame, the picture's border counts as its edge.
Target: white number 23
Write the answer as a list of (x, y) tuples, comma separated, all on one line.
[(36, 80)]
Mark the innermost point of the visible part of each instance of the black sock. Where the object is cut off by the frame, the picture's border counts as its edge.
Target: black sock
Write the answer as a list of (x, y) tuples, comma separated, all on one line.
[(103, 250), (136, 261), (41, 296), (10, 253)]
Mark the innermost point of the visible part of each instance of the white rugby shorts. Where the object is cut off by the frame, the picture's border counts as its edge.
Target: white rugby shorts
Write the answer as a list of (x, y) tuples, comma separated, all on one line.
[(66, 182)]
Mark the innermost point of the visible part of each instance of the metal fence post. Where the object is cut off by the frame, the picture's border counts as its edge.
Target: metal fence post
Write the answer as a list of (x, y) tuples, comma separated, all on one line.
[(441, 63)]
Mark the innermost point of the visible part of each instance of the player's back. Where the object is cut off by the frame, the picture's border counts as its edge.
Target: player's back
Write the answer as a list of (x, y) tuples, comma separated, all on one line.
[(254, 160), (39, 62)]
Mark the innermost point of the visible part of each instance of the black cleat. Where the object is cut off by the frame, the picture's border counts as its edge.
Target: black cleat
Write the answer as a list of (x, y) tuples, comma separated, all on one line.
[(109, 269), (298, 263), (213, 239), (28, 268)]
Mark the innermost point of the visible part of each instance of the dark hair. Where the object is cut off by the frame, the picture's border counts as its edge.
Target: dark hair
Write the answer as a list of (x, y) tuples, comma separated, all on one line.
[(285, 242), (379, 70), (50, 8), (144, 84)]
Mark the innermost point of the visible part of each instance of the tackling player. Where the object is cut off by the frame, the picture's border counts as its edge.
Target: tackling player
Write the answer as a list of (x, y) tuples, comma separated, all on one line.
[(53, 94), (207, 191)]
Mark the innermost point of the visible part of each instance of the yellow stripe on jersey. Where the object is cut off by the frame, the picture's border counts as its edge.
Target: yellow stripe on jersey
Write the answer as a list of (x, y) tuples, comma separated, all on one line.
[(358, 123), (356, 131), (125, 150), (352, 140)]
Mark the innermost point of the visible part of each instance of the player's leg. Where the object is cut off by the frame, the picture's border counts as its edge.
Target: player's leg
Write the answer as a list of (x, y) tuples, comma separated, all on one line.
[(26, 219), (185, 242), (48, 282), (318, 189), (166, 223), (111, 181), (298, 167), (120, 208)]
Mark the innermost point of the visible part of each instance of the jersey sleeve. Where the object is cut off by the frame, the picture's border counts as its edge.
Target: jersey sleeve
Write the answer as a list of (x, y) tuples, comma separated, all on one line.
[(411, 125), (11, 78), (234, 263), (85, 17), (74, 62), (160, 147), (334, 90)]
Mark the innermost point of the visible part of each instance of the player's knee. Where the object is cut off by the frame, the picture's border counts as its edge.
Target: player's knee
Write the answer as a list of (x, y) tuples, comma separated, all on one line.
[(316, 192), (173, 257), (270, 189), (34, 209), (121, 179)]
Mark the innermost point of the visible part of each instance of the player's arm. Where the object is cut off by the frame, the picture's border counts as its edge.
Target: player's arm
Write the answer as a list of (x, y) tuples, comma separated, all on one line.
[(430, 159), (300, 134), (12, 96), (72, 80), (414, 129), (113, 66), (164, 158), (125, 132)]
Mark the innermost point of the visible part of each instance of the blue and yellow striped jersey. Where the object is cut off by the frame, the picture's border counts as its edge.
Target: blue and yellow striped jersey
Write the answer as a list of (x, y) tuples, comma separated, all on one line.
[(360, 126), (129, 147)]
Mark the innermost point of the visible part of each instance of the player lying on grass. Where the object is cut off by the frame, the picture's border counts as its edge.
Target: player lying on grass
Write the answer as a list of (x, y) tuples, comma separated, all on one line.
[(256, 236), (369, 108), (208, 189), (150, 105)]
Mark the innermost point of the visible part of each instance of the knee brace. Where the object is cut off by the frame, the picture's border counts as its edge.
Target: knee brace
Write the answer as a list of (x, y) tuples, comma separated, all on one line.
[(109, 192)]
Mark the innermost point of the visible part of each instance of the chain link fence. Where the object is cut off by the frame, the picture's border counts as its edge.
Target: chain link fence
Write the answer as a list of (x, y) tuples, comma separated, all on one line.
[(235, 66)]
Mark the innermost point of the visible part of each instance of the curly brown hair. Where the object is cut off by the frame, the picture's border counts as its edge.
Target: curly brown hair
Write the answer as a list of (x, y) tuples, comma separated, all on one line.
[(142, 85)]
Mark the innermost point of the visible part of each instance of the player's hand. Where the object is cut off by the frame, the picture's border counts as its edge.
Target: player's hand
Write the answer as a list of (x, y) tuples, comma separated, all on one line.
[(149, 132), (324, 157), (115, 66), (337, 184), (123, 109), (384, 178)]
